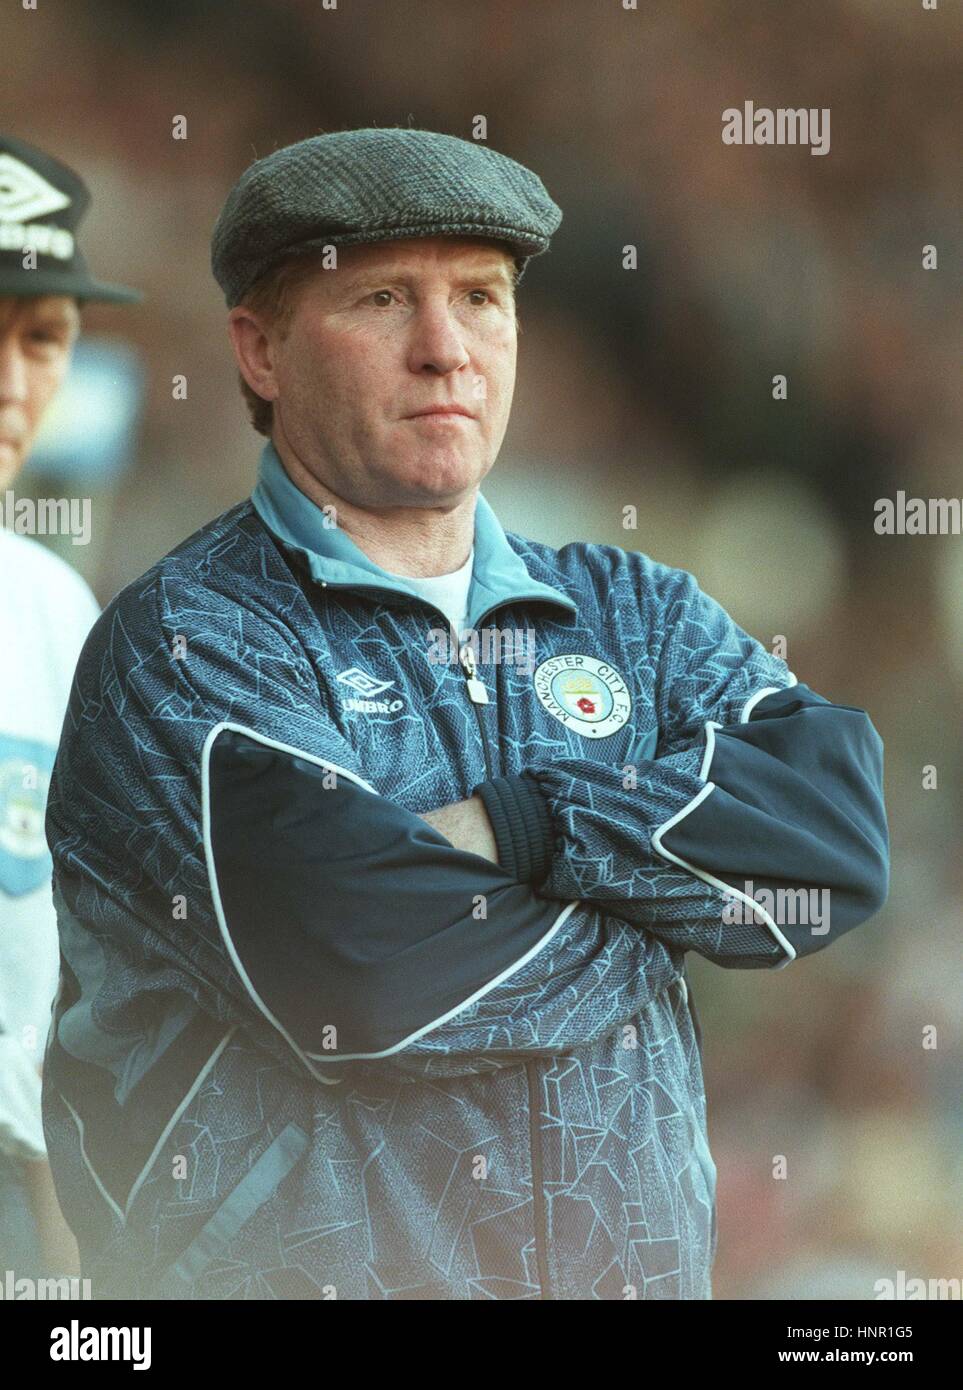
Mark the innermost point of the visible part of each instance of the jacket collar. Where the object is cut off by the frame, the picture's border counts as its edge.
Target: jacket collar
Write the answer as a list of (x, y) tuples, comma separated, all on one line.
[(498, 576)]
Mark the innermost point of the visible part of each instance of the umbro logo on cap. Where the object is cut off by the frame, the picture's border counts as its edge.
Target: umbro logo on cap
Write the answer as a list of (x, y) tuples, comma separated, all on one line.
[(42, 201), (24, 194)]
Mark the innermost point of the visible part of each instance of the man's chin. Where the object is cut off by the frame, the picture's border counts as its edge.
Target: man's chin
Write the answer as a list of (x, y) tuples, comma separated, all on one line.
[(436, 482), (11, 462)]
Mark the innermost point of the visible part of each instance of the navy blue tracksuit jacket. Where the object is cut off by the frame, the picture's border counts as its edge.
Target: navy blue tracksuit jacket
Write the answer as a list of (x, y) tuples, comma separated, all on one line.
[(303, 1047)]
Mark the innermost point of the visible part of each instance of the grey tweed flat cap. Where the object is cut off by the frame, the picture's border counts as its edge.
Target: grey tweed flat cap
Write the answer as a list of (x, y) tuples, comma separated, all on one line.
[(375, 185)]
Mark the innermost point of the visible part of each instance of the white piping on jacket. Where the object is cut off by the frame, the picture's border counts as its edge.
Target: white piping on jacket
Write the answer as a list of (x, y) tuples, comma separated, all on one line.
[(309, 1057), (437, 1022), (165, 1133), (182, 1106), (697, 800), (90, 1167), (215, 732)]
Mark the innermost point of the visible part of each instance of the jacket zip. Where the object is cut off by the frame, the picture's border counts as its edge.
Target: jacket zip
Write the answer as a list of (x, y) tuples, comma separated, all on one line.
[(538, 1179), (478, 696)]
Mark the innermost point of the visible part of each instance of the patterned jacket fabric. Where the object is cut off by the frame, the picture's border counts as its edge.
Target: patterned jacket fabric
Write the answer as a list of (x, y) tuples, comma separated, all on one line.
[(303, 1047)]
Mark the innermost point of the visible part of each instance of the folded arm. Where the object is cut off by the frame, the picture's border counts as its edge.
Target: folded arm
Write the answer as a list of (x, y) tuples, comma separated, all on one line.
[(326, 919), (359, 931), (762, 795)]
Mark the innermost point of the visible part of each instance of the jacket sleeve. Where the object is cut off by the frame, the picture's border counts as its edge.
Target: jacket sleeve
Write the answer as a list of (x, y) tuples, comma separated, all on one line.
[(758, 831), (330, 922)]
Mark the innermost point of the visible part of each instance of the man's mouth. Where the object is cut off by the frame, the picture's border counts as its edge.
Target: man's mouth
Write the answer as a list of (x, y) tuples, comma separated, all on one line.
[(442, 411)]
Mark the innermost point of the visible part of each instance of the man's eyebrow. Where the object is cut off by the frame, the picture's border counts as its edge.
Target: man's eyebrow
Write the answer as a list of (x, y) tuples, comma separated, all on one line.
[(53, 318), (487, 274), (379, 275)]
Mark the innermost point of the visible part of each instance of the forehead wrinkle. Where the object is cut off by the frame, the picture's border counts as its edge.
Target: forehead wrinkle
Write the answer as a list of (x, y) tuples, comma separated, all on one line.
[(401, 274)]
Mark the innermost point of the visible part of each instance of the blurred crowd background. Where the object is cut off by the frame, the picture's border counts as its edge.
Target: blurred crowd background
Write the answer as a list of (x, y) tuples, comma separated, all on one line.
[(649, 388)]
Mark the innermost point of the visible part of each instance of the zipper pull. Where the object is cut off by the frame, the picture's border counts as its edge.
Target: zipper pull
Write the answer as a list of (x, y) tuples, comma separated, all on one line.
[(476, 690)]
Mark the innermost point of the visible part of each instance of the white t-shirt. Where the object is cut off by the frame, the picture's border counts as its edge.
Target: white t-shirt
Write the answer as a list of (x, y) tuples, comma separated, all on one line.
[(46, 611), (449, 592)]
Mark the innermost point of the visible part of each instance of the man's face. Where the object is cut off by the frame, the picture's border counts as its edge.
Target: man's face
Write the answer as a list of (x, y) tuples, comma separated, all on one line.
[(400, 326), (37, 335)]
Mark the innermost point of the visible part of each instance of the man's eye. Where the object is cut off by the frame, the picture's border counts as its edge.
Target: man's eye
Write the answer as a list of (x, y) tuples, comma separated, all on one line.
[(376, 295)]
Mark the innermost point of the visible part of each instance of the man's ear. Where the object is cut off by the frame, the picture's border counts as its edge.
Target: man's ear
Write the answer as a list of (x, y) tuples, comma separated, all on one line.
[(254, 352)]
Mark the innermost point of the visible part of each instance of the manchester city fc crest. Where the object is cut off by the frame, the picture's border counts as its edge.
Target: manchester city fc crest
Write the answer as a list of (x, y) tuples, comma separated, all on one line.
[(584, 694), (24, 859)]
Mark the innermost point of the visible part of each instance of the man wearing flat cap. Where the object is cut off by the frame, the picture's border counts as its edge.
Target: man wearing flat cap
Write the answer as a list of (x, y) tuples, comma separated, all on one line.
[(46, 610), (380, 833)]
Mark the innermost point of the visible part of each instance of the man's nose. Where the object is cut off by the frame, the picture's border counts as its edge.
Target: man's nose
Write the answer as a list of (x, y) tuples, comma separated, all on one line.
[(438, 340), (13, 373)]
